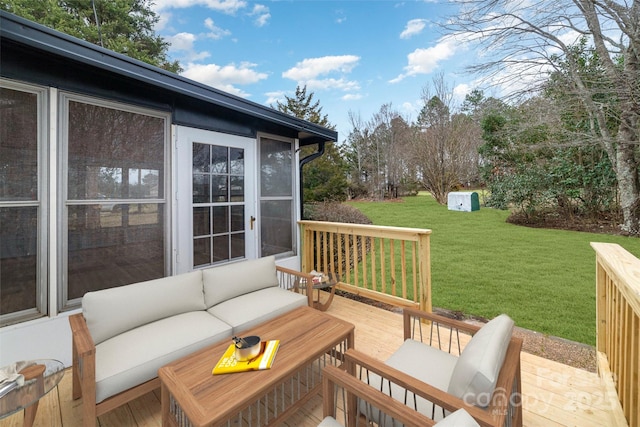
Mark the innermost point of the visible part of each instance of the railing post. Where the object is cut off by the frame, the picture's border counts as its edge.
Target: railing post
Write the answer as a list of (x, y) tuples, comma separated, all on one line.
[(424, 261), (601, 307)]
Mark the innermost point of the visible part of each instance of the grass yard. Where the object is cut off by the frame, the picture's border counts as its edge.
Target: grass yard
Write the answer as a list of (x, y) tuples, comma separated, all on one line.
[(483, 266)]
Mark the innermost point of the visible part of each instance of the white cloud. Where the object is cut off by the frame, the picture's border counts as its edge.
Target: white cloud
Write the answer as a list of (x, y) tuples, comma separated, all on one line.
[(352, 97), (163, 21), (461, 90), (338, 84), (261, 12), (414, 27), (273, 97), (215, 32), (183, 43), (425, 61), (311, 68), (225, 77), (225, 6)]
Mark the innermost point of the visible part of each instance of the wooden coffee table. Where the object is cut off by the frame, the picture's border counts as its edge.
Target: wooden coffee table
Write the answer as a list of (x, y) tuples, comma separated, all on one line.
[(309, 340)]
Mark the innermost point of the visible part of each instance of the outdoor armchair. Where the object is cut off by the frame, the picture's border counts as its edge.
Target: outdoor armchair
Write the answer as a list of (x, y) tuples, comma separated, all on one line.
[(445, 365), (341, 389)]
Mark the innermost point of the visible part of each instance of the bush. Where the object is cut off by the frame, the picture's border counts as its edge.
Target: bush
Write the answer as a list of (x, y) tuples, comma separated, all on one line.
[(335, 212)]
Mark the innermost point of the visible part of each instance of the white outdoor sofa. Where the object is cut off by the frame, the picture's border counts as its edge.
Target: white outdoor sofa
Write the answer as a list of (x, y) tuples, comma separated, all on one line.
[(125, 334)]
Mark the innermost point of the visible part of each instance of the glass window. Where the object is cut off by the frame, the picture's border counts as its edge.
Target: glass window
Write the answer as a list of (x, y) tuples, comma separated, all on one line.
[(218, 204), (276, 197), (115, 205), (22, 296)]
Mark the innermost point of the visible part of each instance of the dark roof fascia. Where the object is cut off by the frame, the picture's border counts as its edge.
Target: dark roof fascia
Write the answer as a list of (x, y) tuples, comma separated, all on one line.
[(40, 37)]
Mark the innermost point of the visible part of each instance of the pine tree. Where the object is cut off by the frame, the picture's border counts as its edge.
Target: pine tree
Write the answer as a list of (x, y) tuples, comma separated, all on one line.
[(324, 179)]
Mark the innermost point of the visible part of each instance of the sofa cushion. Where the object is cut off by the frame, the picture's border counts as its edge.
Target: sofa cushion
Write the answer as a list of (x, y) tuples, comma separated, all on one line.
[(421, 361), (459, 418), (476, 372), (134, 357), (231, 280), (110, 312), (329, 422), (249, 310)]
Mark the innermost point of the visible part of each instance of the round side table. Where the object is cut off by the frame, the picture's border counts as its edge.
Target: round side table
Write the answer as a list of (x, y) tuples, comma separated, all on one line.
[(40, 377), (330, 283)]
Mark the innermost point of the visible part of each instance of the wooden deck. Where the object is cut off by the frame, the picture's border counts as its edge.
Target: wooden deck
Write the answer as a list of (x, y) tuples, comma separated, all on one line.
[(553, 394)]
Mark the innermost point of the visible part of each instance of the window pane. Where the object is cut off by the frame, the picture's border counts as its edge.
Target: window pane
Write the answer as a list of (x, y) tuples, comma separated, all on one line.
[(276, 170), (237, 245), (218, 159), (237, 218), (18, 258), (202, 251), (276, 227), (201, 189), (108, 249), (220, 219), (237, 189), (114, 157), (221, 248), (105, 144), (201, 222), (200, 158), (18, 145), (219, 185), (236, 158)]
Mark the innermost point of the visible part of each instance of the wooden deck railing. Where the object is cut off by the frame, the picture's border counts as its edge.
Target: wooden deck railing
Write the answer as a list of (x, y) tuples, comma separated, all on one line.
[(388, 264), (618, 324)]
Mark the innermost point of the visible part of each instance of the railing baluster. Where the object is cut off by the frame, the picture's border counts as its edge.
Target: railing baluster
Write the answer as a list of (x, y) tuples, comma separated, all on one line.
[(367, 264)]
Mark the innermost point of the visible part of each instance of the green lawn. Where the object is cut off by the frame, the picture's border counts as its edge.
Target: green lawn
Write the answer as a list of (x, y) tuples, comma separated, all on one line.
[(483, 266)]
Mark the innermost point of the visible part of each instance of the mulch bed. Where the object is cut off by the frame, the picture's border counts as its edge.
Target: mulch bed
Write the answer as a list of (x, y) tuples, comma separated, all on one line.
[(560, 350)]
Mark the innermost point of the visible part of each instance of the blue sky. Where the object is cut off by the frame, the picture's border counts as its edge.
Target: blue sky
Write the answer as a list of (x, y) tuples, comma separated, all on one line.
[(353, 55)]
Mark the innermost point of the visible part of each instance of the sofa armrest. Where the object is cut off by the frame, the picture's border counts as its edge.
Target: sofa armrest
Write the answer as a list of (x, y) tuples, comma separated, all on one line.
[(84, 363), (334, 377), (360, 364), (82, 342), (296, 281)]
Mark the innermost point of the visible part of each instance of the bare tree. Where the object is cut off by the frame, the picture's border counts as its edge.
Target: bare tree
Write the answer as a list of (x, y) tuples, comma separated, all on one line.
[(523, 41), (445, 148)]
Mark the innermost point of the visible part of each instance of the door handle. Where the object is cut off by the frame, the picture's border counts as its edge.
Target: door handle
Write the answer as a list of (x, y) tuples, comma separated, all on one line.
[(253, 219)]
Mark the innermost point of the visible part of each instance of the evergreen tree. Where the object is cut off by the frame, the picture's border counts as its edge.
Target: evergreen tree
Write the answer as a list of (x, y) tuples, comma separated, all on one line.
[(323, 179), (124, 26)]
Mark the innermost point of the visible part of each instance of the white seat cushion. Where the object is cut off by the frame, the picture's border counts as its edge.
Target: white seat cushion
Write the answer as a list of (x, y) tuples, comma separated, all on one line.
[(423, 362), (476, 373), (329, 422), (249, 310), (459, 418), (134, 357)]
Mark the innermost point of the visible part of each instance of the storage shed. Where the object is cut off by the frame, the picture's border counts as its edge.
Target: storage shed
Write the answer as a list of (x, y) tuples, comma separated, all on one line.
[(465, 201)]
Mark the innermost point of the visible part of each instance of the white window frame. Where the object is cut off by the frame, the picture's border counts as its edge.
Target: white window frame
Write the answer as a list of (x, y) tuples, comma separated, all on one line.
[(42, 287), (63, 203)]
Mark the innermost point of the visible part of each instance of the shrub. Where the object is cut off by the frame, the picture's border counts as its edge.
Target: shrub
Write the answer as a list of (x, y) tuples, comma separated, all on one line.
[(335, 212)]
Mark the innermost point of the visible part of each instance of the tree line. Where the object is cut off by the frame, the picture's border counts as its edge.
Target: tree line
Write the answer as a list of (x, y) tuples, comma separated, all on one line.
[(565, 141)]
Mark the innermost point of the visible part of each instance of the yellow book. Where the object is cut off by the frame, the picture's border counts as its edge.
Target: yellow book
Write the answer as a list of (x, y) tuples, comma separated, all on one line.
[(229, 364)]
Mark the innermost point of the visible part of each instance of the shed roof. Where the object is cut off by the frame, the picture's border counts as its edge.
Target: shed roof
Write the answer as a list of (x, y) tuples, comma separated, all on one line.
[(37, 37)]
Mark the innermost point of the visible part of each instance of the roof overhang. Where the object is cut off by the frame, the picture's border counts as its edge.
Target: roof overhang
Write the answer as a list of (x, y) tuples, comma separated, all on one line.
[(39, 37)]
